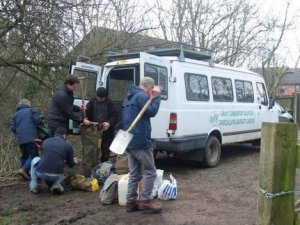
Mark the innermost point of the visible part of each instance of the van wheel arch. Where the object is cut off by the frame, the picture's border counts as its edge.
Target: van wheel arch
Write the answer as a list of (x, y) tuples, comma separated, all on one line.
[(212, 151)]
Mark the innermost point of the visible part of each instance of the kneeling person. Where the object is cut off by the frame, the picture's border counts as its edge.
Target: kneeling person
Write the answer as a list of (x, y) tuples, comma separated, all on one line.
[(50, 166)]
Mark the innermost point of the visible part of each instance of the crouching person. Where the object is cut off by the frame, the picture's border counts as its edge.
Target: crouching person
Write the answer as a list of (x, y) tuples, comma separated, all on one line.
[(50, 166)]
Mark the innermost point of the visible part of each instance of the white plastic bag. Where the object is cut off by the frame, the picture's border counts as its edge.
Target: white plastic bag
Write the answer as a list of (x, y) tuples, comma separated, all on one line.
[(157, 182), (168, 189)]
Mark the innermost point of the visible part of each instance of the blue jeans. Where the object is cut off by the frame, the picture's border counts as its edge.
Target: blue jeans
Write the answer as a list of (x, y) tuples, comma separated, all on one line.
[(141, 165), (28, 152), (50, 180)]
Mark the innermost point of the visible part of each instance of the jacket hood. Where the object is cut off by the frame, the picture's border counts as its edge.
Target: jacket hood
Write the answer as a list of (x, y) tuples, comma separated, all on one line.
[(133, 90), (22, 106)]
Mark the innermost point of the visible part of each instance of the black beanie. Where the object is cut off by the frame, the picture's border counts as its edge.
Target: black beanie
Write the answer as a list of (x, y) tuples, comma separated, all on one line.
[(101, 92)]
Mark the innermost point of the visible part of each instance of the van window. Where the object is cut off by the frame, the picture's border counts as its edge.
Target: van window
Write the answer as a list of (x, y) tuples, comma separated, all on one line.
[(261, 94), (90, 82), (222, 89), (160, 76), (119, 80), (244, 91), (196, 87)]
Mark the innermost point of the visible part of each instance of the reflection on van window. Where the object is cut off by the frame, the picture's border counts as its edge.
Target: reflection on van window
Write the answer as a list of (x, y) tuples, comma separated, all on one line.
[(89, 83), (262, 97), (196, 87), (222, 89), (160, 76), (244, 91)]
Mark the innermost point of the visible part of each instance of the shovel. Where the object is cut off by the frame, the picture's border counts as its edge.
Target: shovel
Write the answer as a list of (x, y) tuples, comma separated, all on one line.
[(123, 138)]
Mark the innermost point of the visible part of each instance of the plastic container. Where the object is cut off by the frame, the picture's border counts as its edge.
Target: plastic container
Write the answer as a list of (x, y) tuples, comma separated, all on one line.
[(122, 189)]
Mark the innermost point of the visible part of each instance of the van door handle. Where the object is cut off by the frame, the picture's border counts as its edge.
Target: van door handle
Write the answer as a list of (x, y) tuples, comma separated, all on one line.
[(259, 106)]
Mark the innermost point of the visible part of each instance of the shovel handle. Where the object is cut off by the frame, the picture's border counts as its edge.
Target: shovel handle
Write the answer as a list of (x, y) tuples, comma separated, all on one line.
[(139, 115), (82, 93)]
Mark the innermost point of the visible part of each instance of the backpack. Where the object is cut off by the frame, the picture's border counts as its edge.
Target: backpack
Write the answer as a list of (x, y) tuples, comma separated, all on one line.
[(102, 171), (44, 131), (109, 192), (80, 182)]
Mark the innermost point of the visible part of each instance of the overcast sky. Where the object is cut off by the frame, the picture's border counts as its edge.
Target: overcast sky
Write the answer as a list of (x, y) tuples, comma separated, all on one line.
[(291, 40)]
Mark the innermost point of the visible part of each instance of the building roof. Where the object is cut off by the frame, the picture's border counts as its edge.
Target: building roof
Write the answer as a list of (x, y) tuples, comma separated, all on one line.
[(291, 77), (101, 42)]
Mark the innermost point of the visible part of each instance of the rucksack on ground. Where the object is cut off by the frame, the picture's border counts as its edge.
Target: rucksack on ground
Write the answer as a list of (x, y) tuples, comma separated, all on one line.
[(102, 171), (109, 192)]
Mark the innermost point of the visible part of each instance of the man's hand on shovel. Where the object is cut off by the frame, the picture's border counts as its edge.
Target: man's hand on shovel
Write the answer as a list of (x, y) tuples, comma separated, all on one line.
[(156, 91)]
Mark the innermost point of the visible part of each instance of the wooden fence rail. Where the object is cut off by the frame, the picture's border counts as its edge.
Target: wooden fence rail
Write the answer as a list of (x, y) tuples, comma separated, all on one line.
[(279, 158)]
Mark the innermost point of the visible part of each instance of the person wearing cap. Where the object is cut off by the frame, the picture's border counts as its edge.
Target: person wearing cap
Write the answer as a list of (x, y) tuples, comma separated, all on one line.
[(62, 107), (50, 166), (102, 110), (140, 149)]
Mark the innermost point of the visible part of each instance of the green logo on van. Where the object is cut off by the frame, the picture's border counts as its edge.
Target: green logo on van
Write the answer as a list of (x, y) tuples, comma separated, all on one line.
[(231, 118)]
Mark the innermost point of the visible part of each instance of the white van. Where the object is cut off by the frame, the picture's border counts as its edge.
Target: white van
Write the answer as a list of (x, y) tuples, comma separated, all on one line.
[(203, 104)]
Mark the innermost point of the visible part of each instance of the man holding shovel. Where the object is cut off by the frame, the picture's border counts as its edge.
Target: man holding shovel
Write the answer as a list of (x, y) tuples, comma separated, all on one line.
[(62, 108), (140, 149)]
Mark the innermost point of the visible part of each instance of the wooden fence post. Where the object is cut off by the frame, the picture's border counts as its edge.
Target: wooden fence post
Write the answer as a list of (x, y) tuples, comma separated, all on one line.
[(278, 157)]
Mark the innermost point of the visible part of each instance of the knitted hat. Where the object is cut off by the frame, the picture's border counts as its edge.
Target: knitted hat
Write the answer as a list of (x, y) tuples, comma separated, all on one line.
[(147, 81), (101, 92)]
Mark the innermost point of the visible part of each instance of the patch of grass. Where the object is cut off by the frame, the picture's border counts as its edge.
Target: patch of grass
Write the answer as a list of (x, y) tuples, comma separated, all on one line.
[(24, 218), (4, 220)]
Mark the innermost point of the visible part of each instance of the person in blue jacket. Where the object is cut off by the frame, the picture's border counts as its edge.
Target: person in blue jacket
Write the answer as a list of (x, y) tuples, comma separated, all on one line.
[(50, 166), (24, 124), (140, 149)]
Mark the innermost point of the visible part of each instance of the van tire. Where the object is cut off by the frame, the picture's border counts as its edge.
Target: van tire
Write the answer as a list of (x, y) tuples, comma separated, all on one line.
[(212, 152)]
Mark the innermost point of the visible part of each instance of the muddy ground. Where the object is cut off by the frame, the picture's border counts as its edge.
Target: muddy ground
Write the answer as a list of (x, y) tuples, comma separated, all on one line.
[(224, 195)]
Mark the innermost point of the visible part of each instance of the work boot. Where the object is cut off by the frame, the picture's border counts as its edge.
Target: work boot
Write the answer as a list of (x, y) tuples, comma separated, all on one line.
[(35, 191), (132, 207), (149, 206), (24, 174), (55, 189)]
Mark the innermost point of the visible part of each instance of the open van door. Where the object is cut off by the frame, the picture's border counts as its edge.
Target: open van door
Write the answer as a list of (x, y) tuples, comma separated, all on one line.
[(157, 68), (92, 75), (265, 113)]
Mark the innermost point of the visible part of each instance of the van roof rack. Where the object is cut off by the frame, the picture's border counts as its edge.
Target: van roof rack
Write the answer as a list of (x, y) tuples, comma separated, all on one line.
[(167, 49)]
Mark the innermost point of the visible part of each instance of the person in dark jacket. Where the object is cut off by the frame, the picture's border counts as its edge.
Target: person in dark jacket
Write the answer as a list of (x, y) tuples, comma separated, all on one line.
[(24, 124), (102, 110), (140, 149), (50, 166), (62, 108)]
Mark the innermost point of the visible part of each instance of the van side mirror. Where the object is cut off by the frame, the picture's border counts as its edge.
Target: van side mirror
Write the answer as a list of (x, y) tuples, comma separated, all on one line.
[(271, 102)]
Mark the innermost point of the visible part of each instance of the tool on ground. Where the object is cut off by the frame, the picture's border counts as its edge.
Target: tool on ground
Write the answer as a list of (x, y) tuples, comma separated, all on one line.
[(123, 138), (82, 90)]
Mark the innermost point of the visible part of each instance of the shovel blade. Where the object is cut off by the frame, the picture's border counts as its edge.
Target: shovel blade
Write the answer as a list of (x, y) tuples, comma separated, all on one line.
[(120, 142)]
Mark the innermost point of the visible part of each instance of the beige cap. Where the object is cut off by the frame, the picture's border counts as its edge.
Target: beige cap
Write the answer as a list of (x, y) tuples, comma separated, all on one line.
[(147, 81)]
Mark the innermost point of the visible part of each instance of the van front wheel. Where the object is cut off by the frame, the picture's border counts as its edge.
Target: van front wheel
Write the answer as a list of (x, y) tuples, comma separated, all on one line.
[(212, 152)]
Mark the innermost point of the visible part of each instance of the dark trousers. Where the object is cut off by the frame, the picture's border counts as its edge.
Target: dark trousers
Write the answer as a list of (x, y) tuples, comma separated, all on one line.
[(28, 152), (107, 139)]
